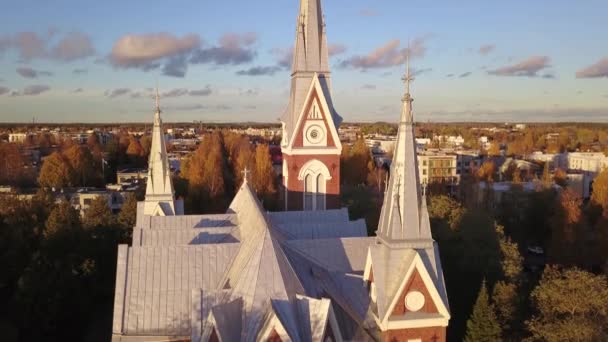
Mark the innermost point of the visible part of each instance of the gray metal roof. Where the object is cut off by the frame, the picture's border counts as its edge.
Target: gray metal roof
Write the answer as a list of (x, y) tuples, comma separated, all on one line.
[(175, 237)]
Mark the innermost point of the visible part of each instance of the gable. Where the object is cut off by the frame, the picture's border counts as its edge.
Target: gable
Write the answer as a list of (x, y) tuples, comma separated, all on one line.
[(414, 285), (315, 127)]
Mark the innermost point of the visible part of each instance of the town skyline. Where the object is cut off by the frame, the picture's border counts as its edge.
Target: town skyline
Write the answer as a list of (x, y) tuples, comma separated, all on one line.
[(221, 66)]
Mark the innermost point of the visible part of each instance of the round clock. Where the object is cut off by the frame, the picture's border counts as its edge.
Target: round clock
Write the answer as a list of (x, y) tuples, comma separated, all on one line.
[(414, 301), (314, 134)]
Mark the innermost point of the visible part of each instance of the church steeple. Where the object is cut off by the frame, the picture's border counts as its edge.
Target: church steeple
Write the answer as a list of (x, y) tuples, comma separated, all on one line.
[(159, 188), (404, 217), (310, 53)]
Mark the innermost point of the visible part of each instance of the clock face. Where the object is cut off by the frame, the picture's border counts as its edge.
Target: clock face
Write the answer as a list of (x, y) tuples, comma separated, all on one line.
[(315, 134), (414, 301)]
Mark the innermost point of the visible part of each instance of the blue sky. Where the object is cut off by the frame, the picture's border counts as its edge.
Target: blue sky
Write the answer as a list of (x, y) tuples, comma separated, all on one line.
[(81, 61)]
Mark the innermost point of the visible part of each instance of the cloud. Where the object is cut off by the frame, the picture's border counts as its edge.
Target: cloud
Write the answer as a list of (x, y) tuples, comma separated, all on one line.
[(336, 49), (449, 75), (597, 70), (4, 90), (548, 76), (368, 87), (75, 45), (528, 68), (117, 92), (30, 45), (418, 72), (249, 92), (176, 66), (142, 50), (79, 71), (368, 12), (233, 49), (77, 90), (389, 55), (284, 56), (31, 73), (34, 90), (201, 92), (178, 92), (486, 49), (259, 71), (465, 74)]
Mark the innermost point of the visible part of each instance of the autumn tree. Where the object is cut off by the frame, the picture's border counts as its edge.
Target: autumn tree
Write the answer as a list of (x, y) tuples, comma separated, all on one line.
[(571, 305), (62, 217), (128, 212), (483, 325), (56, 172), (560, 177), (98, 214), (82, 166), (494, 149), (263, 177), (599, 196), (206, 177), (567, 235), (135, 152), (486, 171), (12, 171), (356, 161)]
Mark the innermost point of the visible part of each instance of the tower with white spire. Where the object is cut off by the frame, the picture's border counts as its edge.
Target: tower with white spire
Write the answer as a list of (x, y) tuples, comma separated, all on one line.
[(403, 269), (160, 200), (310, 145)]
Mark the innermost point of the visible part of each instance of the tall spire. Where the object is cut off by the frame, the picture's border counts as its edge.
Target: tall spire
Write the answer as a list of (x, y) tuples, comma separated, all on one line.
[(403, 217), (159, 188)]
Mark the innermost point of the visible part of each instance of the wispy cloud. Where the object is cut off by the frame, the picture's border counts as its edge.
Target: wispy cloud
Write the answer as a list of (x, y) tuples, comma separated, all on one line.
[(336, 49), (78, 71), (527, 68), (283, 56), (77, 90), (117, 92), (368, 87), (486, 49), (4, 90), (143, 50), (368, 12), (388, 55), (27, 72), (31, 45), (259, 71), (201, 92), (596, 70), (465, 74), (178, 92), (233, 49), (31, 90)]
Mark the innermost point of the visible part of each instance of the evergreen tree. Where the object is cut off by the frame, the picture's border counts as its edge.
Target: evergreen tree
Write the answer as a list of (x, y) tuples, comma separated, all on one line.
[(483, 326), (98, 214)]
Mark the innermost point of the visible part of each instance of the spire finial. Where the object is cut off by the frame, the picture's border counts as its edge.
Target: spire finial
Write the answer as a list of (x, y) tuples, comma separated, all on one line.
[(408, 77), (246, 173), (157, 99)]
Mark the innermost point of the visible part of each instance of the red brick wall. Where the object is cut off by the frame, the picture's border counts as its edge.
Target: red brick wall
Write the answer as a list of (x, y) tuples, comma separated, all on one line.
[(295, 186), (415, 283), (274, 336), (433, 334)]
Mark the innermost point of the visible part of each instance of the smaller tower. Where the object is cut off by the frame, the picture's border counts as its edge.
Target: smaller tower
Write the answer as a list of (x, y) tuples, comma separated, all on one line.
[(160, 200), (403, 269)]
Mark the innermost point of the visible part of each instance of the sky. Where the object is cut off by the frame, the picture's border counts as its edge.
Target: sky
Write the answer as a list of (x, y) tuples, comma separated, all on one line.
[(229, 60)]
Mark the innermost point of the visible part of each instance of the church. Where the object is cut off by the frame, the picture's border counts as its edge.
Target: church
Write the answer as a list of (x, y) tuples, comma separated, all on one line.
[(304, 274)]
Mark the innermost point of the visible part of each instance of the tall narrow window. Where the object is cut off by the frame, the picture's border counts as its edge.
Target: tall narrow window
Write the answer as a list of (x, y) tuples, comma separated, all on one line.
[(320, 203), (309, 192)]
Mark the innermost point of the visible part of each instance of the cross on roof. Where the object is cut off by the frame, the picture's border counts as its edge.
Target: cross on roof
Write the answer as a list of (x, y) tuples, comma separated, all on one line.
[(408, 77), (245, 173)]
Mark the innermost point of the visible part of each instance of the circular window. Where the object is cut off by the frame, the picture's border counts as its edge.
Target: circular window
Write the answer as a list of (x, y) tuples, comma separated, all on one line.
[(414, 301), (314, 134)]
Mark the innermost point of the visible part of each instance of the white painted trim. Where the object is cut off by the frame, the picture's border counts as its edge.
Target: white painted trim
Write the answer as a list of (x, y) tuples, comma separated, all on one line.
[(368, 265), (417, 264), (437, 321), (315, 167), (316, 86), (311, 150), (273, 323)]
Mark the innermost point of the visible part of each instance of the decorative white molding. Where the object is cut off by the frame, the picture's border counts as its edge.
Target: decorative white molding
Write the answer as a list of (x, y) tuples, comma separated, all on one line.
[(314, 167)]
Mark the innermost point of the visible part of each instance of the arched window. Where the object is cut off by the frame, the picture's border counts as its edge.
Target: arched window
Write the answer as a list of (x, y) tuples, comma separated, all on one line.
[(309, 193), (315, 175)]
